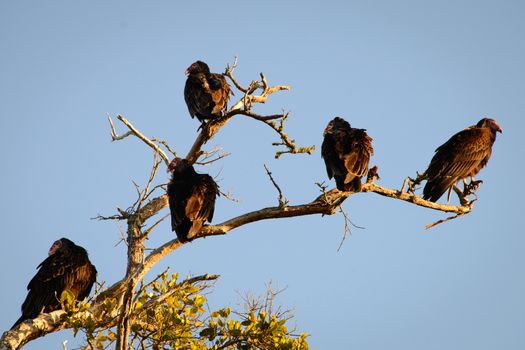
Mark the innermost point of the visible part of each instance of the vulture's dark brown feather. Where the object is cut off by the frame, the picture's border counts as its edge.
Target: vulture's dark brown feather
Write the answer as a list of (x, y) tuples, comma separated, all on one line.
[(463, 155), (206, 93), (346, 152), (191, 199), (66, 268)]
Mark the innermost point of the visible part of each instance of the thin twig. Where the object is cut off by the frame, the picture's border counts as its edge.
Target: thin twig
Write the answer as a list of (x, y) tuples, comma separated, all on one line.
[(229, 73), (347, 230), (442, 221), (282, 202), (152, 174), (134, 131), (322, 188), (114, 135), (112, 217), (153, 189), (285, 139), (220, 156), (149, 230), (264, 118), (347, 227), (208, 156), (165, 144), (229, 196)]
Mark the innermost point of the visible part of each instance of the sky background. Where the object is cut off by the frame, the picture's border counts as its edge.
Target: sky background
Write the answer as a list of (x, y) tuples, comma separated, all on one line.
[(411, 72)]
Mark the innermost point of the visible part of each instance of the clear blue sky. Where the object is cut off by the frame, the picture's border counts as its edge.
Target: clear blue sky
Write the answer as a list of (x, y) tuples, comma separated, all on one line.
[(411, 72)]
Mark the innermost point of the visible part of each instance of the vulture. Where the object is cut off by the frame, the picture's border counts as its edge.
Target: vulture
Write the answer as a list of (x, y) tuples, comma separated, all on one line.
[(463, 155), (346, 152), (206, 93), (66, 268), (191, 198)]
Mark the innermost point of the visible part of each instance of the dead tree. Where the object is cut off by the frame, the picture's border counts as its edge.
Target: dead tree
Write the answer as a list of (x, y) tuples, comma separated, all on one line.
[(144, 215)]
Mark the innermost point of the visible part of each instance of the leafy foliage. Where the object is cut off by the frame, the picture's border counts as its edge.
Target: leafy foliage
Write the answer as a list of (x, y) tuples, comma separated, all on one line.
[(168, 314)]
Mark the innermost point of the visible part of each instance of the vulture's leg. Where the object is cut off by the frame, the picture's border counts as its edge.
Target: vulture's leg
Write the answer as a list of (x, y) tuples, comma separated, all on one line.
[(407, 181), (449, 193), (461, 195)]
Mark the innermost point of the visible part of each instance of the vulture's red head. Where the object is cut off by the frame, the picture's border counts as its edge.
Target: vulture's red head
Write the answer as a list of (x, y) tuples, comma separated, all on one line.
[(61, 244), (489, 123), (334, 124), (173, 164), (197, 67), (55, 247), (179, 165)]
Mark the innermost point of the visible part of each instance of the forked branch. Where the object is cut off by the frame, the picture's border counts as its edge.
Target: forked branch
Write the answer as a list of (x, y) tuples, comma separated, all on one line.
[(135, 132)]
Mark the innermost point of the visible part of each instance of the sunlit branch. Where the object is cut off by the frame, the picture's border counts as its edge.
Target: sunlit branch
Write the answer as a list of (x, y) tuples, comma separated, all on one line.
[(135, 132), (282, 202)]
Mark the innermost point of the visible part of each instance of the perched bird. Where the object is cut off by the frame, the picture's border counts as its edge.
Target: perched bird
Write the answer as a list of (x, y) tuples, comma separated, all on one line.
[(191, 198), (463, 155), (66, 268), (346, 152), (206, 93)]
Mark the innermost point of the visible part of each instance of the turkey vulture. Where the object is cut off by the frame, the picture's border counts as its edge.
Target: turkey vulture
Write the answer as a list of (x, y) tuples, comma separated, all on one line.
[(191, 198), (463, 155), (206, 93), (66, 268), (346, 152)]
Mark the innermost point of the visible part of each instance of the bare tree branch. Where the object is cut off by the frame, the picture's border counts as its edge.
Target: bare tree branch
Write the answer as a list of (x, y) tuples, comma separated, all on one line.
[(143, 195), (229, 73), (326, 204), (114, 135), (134, 131), (264, 118), (111, 217), (347, 230), (412, 198), (270, 120), (282, 202), (228, 195), (149, 230), (209, 157), (442, 221), (27, 331), (165, 144)]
